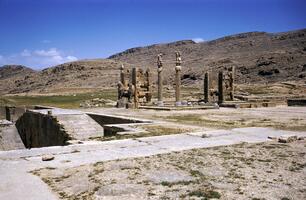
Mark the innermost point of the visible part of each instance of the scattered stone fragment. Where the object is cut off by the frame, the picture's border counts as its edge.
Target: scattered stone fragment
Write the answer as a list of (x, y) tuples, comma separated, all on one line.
[(70, 142), (184, 102), (287, 138), (47, 157), (97, 102), (272, 137), (201, 103), (5, 122)]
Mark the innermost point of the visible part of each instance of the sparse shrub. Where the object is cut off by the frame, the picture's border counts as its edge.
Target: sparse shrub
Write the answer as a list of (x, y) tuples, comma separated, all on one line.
[(210, 194), (195, 173), (166, 183)]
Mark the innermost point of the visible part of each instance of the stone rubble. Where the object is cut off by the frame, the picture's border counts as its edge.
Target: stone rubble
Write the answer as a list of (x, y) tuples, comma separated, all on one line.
[(47, 157), (97, 102)]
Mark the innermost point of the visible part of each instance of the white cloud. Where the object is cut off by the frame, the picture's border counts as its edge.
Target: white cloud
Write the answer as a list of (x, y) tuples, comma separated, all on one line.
[(198, 40), (46, 41), (47, 53), (71, 58), (40, 58), (25, 53)]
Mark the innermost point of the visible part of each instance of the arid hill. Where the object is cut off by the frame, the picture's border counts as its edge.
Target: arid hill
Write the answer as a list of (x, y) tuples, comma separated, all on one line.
[(259, 57), (8, 71), (81, 74)]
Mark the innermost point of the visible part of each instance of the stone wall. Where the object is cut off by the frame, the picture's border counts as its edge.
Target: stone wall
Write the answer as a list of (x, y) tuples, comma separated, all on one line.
[(15, 113), (296, 102), (107, 119), (40, 130)]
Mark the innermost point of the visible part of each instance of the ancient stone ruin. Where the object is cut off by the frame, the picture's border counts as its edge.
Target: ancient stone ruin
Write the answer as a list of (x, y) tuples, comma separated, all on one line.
[(178, 70), (134, 88), (160, 80), (221, 90)]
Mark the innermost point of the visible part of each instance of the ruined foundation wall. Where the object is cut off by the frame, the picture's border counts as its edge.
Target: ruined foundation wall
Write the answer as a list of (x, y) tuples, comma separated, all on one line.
[(15, 113), (39, 130), (9, 137), (105, 119)]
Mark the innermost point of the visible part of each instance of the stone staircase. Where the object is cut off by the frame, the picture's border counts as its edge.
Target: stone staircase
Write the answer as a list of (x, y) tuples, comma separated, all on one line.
[(80, 126)]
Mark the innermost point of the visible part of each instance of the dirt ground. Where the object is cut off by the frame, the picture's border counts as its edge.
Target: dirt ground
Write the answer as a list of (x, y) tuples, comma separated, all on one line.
[(282, 117), (245, 171)]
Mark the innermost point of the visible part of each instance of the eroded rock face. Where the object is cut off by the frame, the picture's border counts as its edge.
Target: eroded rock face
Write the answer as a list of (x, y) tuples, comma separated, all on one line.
[(7, 71), (268, 72), (304, 68)]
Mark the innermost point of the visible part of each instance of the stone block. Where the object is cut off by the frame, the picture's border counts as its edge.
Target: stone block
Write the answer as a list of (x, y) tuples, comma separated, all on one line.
[(121, 103), (287, 138), (129, 105)]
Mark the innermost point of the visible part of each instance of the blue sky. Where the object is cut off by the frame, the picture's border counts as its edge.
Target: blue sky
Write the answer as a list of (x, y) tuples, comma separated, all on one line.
[(43, 33)]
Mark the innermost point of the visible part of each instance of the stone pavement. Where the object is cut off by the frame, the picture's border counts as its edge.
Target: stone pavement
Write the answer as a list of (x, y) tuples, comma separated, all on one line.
[(17, 183)]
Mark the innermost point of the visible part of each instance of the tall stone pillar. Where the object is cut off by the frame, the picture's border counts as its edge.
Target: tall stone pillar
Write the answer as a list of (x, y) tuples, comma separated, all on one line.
[(220, 88), (206, 87), (134, 83), (160, 80), (178, 70), (7, 113), (232, 81), (149, 86), (122, 75)]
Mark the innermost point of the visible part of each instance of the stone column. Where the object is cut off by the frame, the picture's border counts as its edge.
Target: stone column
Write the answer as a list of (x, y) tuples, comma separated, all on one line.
[(134, 83), (8, 113), (220, 88), (206, 87), (232, 80), (178, 70), (122, 75), (149, 85), (160, 80)]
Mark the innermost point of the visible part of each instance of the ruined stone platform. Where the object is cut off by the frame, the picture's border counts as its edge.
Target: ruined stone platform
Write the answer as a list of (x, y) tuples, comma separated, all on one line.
[(77, 124), (251, 104), (178, 107), (17, 164), (49, 127)]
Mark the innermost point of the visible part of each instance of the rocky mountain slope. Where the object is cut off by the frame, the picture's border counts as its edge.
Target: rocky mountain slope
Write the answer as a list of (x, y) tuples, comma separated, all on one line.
[(8, 71), (259, 57), (79, 74)]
